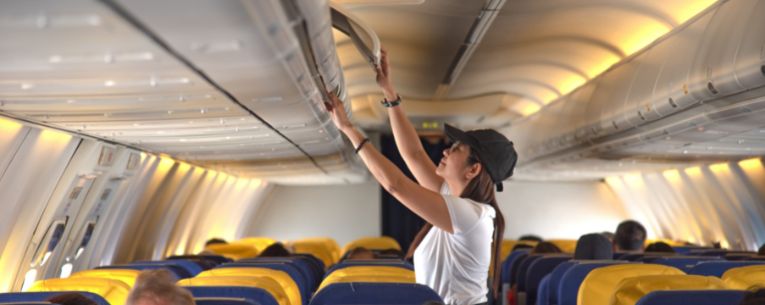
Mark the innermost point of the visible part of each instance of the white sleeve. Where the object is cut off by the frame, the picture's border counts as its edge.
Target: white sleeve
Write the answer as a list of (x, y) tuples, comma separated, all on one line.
[(464, 213)]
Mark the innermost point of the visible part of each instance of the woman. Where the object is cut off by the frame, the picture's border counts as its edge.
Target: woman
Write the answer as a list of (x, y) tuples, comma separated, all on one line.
[(462, 238)]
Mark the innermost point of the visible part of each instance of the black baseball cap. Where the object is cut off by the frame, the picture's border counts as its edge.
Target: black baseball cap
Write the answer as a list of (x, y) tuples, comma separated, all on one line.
[(494, 150)]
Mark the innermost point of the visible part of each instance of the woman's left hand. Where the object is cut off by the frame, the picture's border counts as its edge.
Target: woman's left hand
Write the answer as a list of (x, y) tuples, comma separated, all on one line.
[(337, 112)]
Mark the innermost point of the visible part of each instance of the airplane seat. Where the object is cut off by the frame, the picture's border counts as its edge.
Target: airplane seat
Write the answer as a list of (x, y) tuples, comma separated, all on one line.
[(506, 274), (745, 278), (290, 286), (127, 276), (718, 268), (572, 280), (369, 274), (695, 297), (311, 267), (543, 292), (176, 271), (375, 294), (326, 252), (218, 259), (537, 271), (255, 294), (684, 263), (224, 301), (372, 243), (233, 250), (600, 284), (632, 257), (520, 277), (191, 267), (554, 282), (631, 289), (114, 291), (303, 284), (34, 297), (225, 283), (709, 252)]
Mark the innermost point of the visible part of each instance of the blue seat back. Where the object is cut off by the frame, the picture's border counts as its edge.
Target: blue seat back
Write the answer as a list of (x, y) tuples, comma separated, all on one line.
[(538, 270), (682, 263), (506, 275), (543, 293), (309, 265), (218, 259), (21, 297), (224, 301), (573, 278), (717, 268), (695, 297), (555, 277), (257, 295), (191, 267), (375, 294), (523, 268), (178, 272), (292, 270)]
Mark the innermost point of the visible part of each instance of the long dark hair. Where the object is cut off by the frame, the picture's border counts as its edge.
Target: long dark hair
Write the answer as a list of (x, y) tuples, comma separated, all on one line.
[(479, 189)]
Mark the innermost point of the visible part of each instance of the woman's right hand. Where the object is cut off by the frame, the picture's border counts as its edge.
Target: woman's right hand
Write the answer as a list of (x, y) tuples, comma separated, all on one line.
[(383, 77)]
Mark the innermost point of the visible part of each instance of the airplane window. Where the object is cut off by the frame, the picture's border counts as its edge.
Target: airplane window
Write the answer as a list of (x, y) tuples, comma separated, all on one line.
[(54, 236), (86, 238), (58, 232)]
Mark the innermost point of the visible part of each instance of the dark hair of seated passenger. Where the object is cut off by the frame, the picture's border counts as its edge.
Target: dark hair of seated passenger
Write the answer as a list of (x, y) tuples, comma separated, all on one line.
[(215, 241), (71, 298), (761, 251), (360, 253), (755, 296), (545, 247), (275, 250), (630, 236), (660, 247), (389, 254), (522, 246), (530, 237), (593, 246)]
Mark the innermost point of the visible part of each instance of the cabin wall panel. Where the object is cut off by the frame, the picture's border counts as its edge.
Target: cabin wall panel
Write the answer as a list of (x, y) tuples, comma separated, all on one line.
[(343, 212), (721, 202), (559, 209)]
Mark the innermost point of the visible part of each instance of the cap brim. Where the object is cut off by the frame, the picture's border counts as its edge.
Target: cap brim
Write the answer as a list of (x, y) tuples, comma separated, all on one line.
[(455, 134)]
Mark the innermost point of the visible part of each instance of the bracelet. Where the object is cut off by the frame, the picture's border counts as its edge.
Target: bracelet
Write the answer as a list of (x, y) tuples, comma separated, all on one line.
[(361, 145), (393, 103)]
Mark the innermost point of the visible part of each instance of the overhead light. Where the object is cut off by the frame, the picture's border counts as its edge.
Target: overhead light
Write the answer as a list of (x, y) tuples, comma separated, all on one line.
[(109, 83), (27, 86)]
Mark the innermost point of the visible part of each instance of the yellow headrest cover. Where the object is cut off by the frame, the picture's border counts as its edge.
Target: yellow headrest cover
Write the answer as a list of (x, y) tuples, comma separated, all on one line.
[(565, 245), (600, 284), (126, 276), (114, 291), (745, 278), (320, 250), (281, 277), (384, 274), (234, 251), (630, 290), (260, 243)]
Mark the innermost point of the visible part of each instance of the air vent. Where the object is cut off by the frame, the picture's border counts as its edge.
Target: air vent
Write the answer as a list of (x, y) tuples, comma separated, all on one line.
[(712, 88), (672, 103)]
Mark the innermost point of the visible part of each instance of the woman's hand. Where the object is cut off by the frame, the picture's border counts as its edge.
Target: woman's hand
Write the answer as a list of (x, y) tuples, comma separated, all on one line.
[(383, 77), (337, 112)]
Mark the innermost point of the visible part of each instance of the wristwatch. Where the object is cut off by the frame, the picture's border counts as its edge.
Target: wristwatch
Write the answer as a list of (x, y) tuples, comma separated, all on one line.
[(392, 103)]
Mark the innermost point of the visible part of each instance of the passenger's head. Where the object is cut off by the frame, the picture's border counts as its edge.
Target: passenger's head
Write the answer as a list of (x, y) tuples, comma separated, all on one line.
[(275, 250), (761, 251), (545, 247), (659, 247), (389, 254), (360, 253), (755, 296), (522, 246), (215, 241), (157, 287), (71, 298), (530, 237), (593, 246), (630, 236)]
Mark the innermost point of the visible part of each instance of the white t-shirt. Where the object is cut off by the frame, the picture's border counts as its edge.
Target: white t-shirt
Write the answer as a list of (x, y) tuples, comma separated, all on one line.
[(457, 265)]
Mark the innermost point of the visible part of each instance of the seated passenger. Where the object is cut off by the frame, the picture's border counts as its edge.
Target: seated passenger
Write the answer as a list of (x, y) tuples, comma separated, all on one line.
[(215, 241), (659, 247), (522, 246), (754, 297), (360, 253), (531, 237), (630, 237), (389, 254), (275, 250), (593, 246), (157, 287), (545, 247), (761, 251), (71, 298)]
